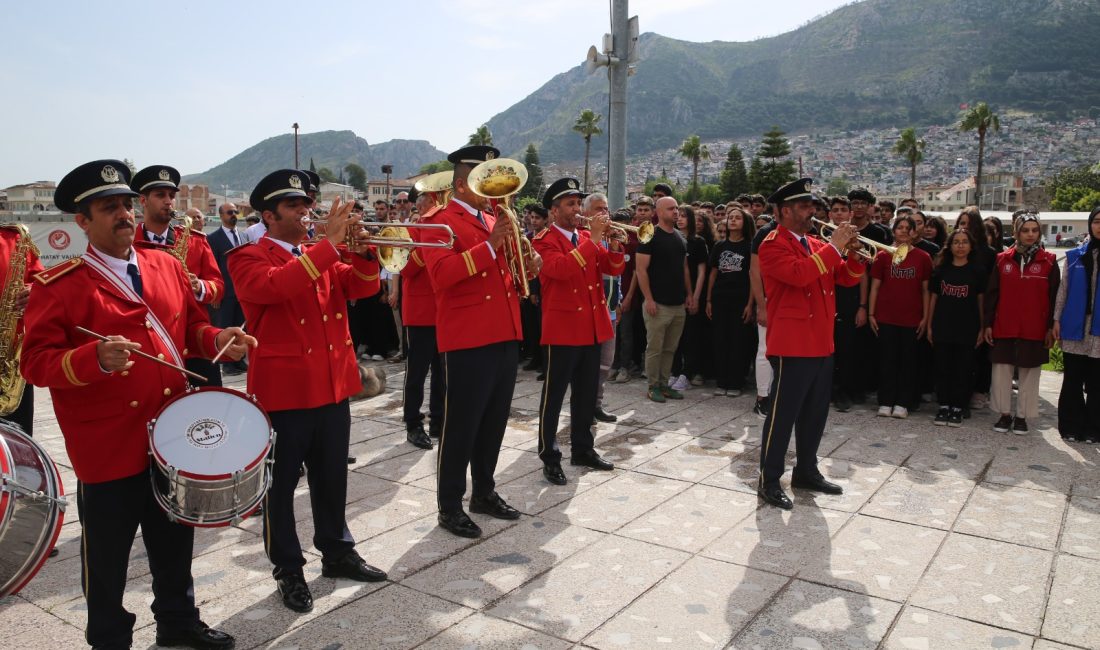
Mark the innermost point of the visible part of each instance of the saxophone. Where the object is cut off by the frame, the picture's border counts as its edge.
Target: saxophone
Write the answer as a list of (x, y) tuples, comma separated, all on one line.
[(11, 336), (179, 249)]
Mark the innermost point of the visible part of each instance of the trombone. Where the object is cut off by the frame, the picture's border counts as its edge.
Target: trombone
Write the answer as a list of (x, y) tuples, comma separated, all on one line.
[(644, 232), (499, 180), (898, 253), (393, 241)]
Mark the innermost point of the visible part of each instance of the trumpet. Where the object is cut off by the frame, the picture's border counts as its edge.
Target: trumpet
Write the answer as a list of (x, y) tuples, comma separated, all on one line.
[(499, 180), (644, 232), (393, 241), (898, 253)]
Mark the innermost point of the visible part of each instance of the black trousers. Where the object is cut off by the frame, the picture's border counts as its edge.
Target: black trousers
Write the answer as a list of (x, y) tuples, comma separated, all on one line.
[(578, 367), (479, 382), (531, 317), (212, 371), (317, 437), (358, 315), (23, 415), (897, 355), (800, 392), (847, 365), (983, 369), (733, 342), (867, 351), (954, 371), (1078, 415), (422, 355), (110, 513), (228, 314)]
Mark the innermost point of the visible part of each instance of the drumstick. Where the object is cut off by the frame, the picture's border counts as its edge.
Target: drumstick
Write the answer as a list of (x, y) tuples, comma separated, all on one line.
[(143, 355), (225, 347)]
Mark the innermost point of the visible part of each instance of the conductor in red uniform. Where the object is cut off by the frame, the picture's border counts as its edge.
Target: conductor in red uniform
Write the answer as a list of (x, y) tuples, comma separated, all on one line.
[(10, 237), (104, 397), (800, 275), (157, 186), (304, 371), (478, 332), (575, 321)]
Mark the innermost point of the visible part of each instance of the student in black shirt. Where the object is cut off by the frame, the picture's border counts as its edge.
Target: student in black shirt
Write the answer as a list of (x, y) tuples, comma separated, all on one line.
[(970, 220), (957, 285), (729, 301), (687, 363)]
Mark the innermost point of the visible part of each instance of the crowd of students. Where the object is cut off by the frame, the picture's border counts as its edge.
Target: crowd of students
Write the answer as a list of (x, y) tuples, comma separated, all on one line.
[(956, 322)]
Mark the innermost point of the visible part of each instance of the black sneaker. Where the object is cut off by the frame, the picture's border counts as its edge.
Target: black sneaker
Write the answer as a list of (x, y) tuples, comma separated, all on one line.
[(1003, 424), (955, 419), (761, 407), (843, 404), (942, 416), (1019, 426)]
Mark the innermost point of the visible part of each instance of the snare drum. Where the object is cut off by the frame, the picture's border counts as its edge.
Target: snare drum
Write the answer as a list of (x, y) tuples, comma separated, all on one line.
[(211, 452), (31, 507)]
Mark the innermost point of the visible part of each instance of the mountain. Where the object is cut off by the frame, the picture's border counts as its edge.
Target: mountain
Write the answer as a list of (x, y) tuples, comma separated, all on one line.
[(332, 149), (878, 63)]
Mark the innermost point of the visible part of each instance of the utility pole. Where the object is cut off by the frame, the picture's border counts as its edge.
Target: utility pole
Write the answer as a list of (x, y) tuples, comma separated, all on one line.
[(618, 55), (295, 127)]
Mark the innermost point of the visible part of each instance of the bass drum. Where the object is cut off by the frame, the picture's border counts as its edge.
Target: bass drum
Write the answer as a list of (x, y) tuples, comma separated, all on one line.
[(32, 507), (211, 453)]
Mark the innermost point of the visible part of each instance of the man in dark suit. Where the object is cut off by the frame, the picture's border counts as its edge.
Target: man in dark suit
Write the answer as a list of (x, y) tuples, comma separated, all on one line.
[(227, 313)]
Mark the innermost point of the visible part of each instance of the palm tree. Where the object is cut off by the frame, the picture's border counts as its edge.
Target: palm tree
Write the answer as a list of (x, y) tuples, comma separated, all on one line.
[(695, 151), (911, 148), (481, 136), (980, 119), (587, 125)]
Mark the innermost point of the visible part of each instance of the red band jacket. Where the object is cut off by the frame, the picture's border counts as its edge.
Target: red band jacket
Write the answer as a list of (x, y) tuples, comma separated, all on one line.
[(574, 307)]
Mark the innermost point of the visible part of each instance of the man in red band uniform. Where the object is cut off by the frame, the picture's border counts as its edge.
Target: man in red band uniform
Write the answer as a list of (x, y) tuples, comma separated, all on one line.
[(157, 186), (800, 276), (104, 397), (478, 332), (575, 321), (303, 372), (10, 237), (418, 315)]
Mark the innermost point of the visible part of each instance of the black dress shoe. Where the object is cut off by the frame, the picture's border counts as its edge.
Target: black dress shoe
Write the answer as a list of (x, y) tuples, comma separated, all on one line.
[(295, 593), (541, 376), (353, 567), (591, 459), (775, 496), (435, 429), (815, 484), (196, 636), (554, 473), (459, 523), (493, 506), (351, 460), (604, 416), (417, 438), (54, 551)]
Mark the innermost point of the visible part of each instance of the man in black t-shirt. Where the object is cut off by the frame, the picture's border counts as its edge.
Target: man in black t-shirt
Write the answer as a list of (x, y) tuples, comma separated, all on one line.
[(866, 342), (662, 275), (763, 368)]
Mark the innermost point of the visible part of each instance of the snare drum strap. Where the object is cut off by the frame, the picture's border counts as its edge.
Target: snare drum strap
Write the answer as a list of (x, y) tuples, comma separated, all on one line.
[(96, 263)]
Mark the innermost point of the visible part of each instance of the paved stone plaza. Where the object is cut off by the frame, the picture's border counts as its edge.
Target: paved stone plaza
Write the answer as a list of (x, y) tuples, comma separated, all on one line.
[(944, 538)]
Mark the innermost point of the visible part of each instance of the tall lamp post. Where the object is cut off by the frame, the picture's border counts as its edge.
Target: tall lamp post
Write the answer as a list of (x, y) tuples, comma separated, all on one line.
[(295, 127), (387, 170)]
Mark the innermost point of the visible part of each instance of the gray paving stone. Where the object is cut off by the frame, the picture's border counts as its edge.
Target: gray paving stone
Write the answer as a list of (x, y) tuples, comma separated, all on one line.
[(694, 460), (1081, 535), (777, 540), (815, 617), (988, 581), (875, 556), (1073, 612), (920, 498), (485, 632), (617, 502), (692, 519), (636, 447), (919, 629), (702, 604), (1017, 515)]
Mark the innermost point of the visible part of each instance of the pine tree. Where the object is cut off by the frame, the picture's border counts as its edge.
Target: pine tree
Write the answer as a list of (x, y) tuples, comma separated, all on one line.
[(533, 188), (734, 179), (756, 176), (312, 167), (776, 172)]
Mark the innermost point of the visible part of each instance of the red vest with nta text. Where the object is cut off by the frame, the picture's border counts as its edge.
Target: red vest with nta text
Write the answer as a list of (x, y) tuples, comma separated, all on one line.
[(1023, 308)]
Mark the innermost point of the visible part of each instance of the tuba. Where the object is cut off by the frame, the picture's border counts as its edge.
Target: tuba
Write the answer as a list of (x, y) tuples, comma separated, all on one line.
[(499, 180), (11, 338), (440, 185), (179, 249)]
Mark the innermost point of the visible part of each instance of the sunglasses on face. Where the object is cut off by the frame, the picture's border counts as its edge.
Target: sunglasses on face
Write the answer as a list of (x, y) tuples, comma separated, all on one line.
[(402, 200), (232, 213)]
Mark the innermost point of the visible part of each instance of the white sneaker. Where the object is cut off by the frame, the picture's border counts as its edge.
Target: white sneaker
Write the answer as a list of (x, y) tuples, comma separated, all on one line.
[(733, 392), (884, 411), (900, 412), (672, 382), (978, 400), (376, 357), (681, 384), (719, 392)]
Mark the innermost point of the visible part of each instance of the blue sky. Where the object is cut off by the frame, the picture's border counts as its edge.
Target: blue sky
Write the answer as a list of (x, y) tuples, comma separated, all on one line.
[(193, 83)]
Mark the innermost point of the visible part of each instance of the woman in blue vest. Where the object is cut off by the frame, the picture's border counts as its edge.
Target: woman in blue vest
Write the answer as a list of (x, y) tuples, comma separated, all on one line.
[(1079, 333)]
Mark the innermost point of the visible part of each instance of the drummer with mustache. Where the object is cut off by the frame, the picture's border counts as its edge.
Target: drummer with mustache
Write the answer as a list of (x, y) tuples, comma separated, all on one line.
[(104, 396)]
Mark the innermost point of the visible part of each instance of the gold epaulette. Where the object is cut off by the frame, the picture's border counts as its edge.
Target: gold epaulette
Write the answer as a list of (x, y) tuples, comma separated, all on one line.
[(196, 233), (540, 234), (58, 270), (242, 246), (432, 211), (770, 236)]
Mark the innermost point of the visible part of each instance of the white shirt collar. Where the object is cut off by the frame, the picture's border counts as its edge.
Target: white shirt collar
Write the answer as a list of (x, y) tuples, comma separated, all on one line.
[(228, 231), (568, 233), (286, 246), (466, 206), (117, 265)]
